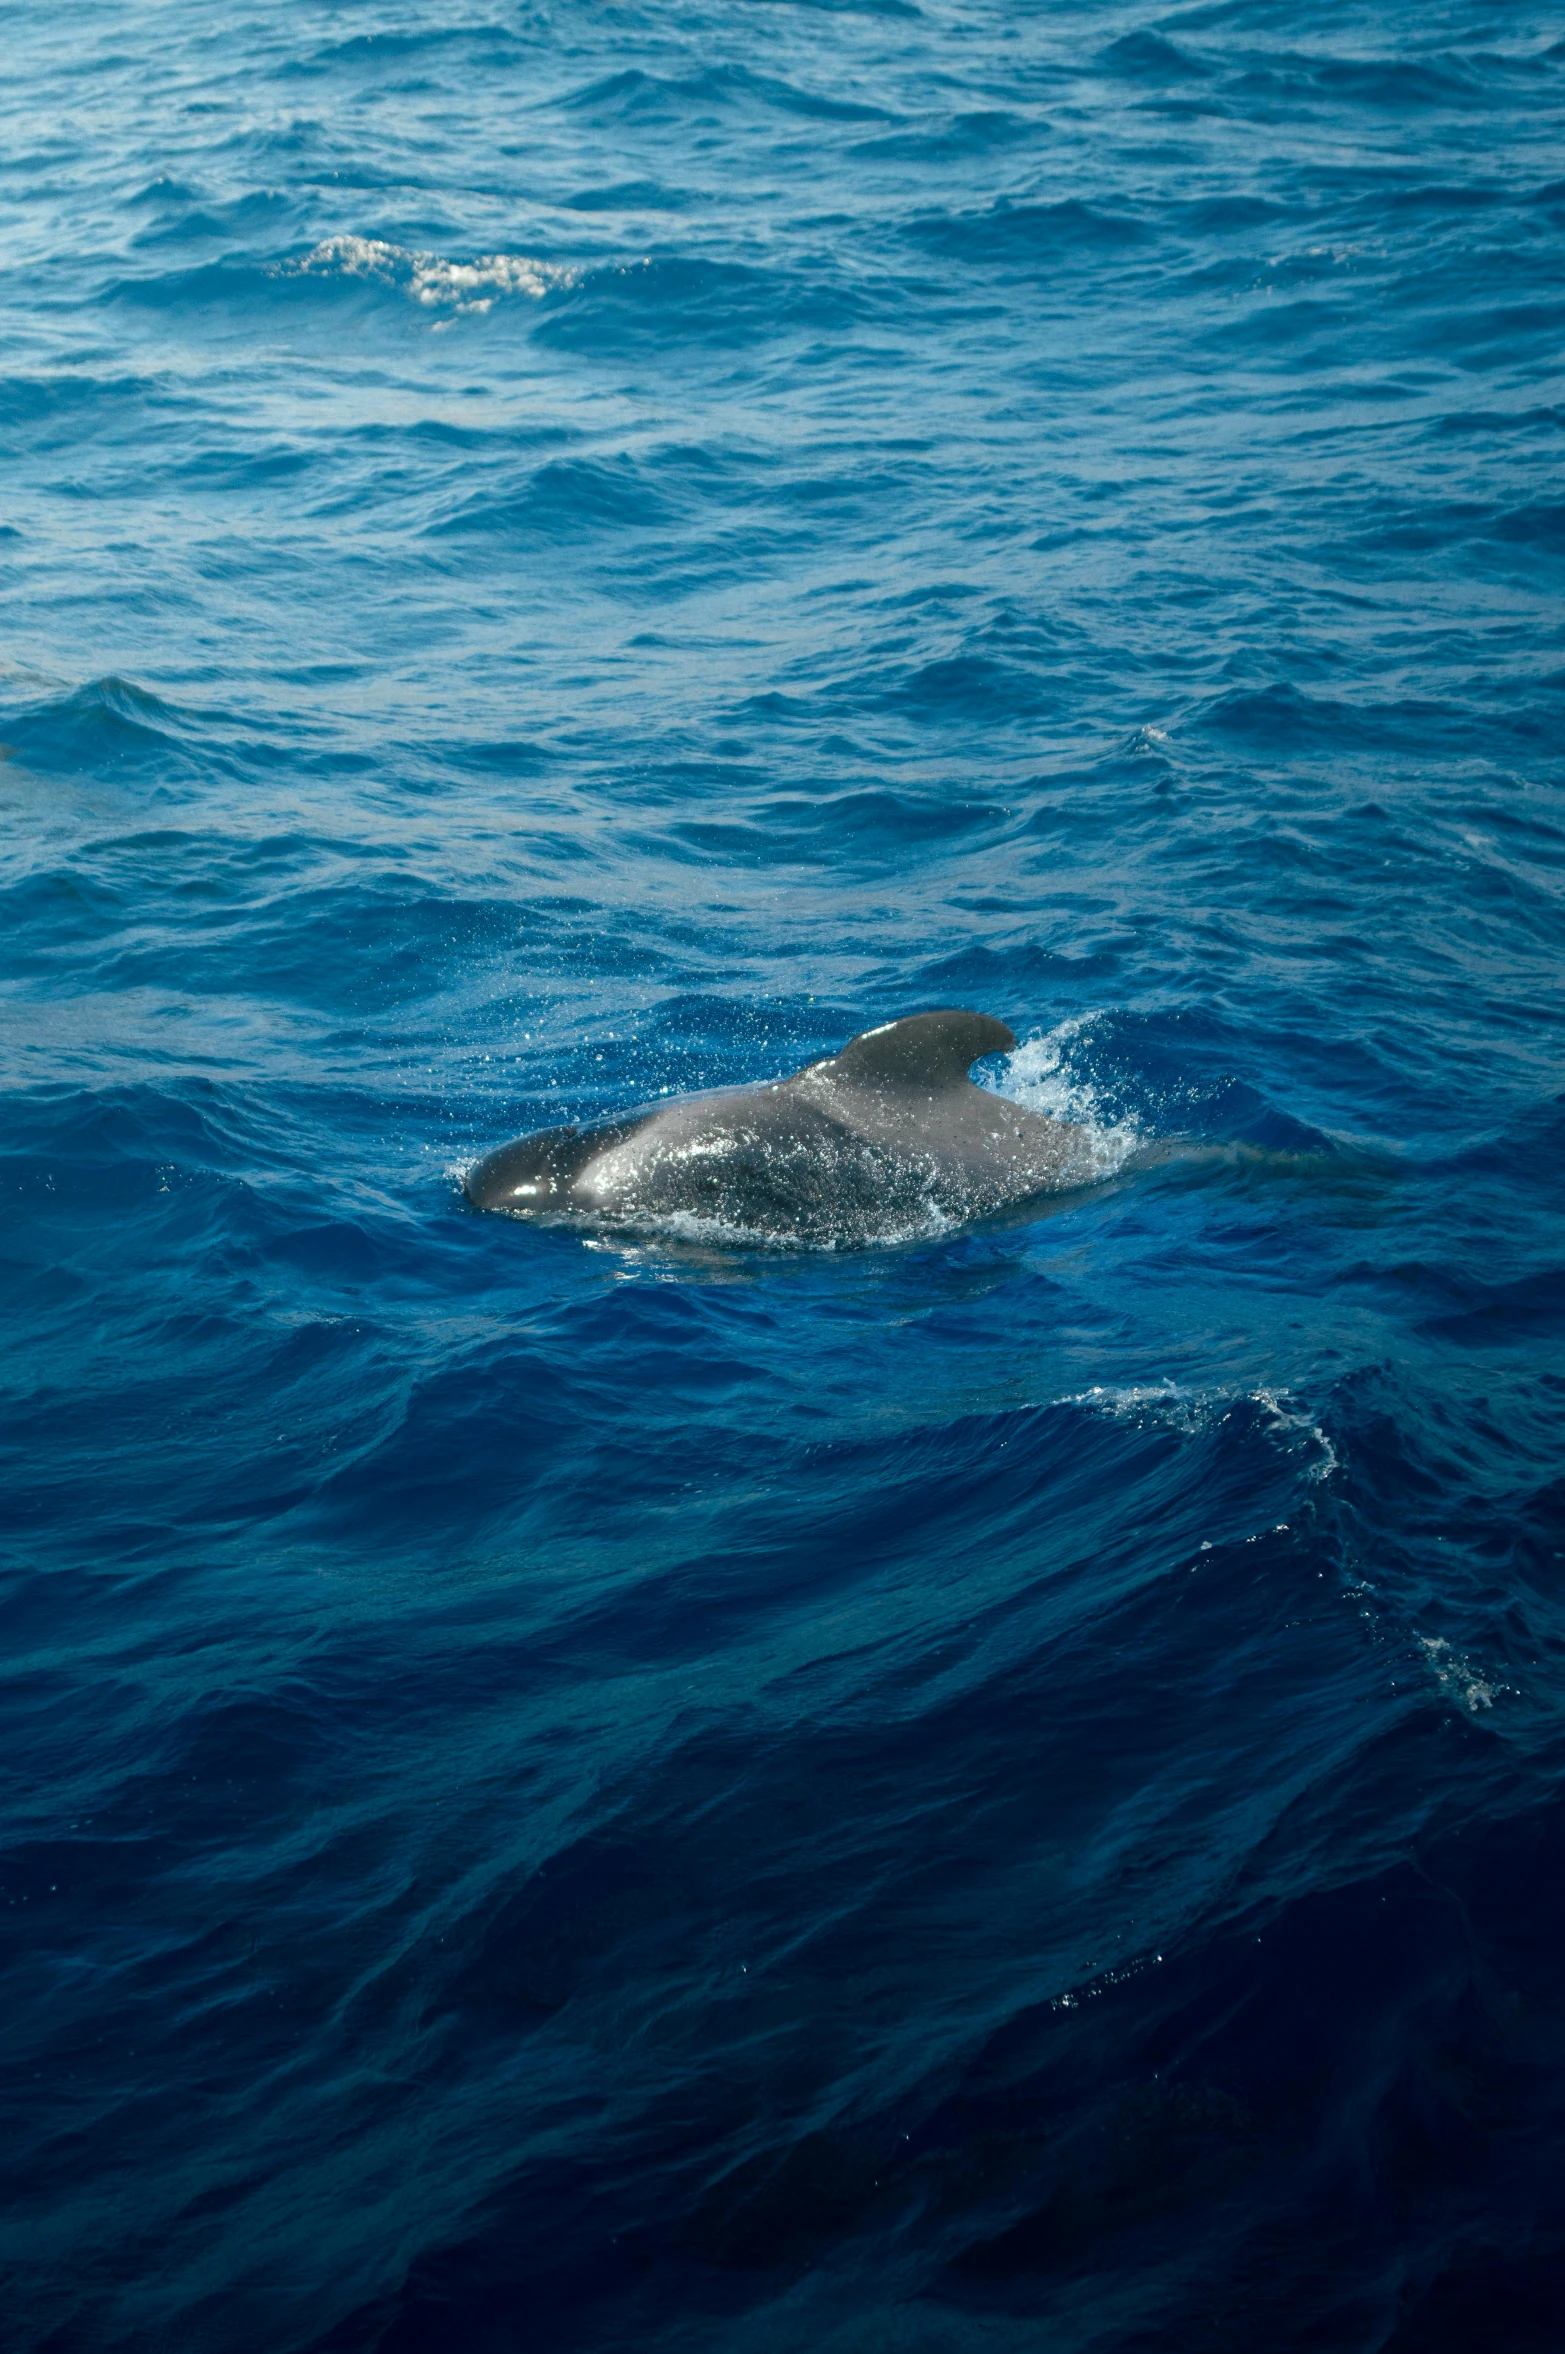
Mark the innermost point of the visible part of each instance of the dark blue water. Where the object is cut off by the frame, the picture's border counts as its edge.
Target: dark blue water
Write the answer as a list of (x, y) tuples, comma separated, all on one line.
[(647, 1791)]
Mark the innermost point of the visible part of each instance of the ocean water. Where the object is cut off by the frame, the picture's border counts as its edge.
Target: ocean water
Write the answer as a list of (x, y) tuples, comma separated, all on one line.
[(1001, 1791)]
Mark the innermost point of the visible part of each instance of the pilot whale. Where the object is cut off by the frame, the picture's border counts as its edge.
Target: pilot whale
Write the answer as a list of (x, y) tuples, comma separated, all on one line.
[(889, 1136)]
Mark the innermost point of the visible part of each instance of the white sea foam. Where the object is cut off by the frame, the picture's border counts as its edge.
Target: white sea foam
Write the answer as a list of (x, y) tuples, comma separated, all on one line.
[(1457, 1676), (1162, 1402), (1190, 1411), (1040, 1077), (1287, 1417), (429, 278)]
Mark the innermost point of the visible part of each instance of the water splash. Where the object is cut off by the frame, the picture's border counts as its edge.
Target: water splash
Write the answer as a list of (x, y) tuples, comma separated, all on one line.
[(1046, 1074)]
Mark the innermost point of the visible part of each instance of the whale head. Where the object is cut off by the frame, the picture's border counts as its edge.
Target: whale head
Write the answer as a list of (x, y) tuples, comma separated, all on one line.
[(534, 1173)]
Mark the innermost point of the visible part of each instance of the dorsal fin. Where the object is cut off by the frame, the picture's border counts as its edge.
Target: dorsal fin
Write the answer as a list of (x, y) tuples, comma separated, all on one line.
[(925, 1050)]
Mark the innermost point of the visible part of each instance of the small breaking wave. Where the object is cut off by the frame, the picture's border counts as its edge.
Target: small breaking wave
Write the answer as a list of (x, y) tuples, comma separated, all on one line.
[(1456, 1675), (1163, 1403), (430, 278), (1169, 1405)]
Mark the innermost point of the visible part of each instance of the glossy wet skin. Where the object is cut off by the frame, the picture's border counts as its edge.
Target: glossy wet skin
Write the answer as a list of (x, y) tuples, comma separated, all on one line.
[(889, 1126)]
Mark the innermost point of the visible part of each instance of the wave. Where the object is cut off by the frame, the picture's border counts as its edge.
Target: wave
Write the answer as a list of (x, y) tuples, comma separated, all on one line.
[(352, 264), (1148, 57), (260, 213), (79, 405), (430, 278), (1284, 718), (109, 726), (955, 138), (634, 94), (493, 44), (567, 498), (630, 196), (1013, 232), (682, 300), (1398, 83), (603, 306), (979, 2134)]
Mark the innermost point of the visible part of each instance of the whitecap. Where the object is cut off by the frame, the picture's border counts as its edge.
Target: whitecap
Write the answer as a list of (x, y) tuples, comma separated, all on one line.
[(1287, 1417), (1162, 1402), (430, 278), (1173, 1407), (1457, 1676)]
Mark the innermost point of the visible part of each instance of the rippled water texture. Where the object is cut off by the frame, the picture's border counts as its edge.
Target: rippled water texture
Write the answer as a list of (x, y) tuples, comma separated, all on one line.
[(617, 1791)]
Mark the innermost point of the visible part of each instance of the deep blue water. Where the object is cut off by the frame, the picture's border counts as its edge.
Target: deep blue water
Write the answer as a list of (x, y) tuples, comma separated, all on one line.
[(577, 1791)]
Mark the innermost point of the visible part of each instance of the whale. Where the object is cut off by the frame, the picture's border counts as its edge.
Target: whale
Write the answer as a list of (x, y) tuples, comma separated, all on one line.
[(888, 1137)]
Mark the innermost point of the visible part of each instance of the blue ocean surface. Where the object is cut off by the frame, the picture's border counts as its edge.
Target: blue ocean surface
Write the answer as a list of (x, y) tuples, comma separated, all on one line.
[(999, 1790)]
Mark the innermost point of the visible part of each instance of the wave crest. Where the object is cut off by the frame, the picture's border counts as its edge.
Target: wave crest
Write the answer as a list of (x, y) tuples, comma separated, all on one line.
[(430, 278)]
